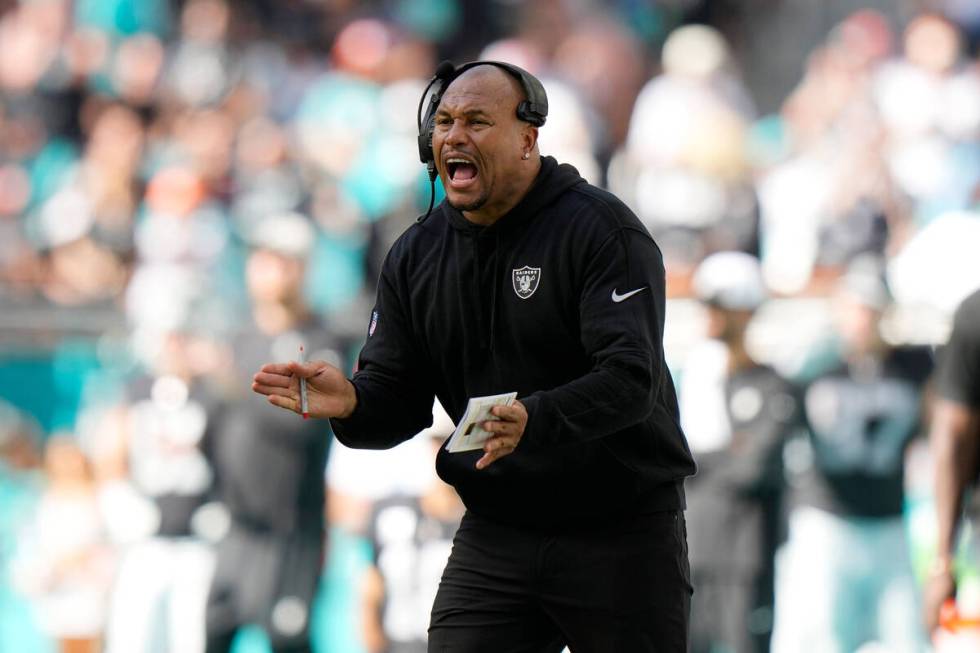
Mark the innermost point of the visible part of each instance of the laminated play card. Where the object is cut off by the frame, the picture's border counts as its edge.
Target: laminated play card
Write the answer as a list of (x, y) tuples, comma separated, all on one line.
[(469, 435)]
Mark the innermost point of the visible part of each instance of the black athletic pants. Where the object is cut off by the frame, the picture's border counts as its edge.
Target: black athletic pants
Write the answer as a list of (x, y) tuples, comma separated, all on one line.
[(264, 578), (622, 588)]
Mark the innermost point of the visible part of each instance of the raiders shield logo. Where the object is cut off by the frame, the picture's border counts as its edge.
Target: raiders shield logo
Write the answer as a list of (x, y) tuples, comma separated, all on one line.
[(525, 281)]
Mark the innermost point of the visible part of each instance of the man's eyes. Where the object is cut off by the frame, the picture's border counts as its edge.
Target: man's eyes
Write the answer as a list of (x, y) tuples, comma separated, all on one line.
[(446, 121)]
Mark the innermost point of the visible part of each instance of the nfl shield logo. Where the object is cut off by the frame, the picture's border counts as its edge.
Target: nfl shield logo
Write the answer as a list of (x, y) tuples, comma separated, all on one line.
[(525, 281)]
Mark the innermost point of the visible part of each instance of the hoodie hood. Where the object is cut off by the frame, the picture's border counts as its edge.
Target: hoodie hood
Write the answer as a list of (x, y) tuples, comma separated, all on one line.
[(553, 179)]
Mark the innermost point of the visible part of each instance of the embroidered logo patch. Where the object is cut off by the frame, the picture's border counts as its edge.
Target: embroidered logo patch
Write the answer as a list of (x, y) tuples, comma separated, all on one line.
[(374, 323), (525, 281)]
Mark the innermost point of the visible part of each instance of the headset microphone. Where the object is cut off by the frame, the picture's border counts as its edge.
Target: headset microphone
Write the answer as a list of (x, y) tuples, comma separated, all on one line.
[(445, 73)]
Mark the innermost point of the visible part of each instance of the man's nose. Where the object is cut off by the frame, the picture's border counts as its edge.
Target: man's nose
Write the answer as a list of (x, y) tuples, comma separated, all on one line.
[(456, 133)]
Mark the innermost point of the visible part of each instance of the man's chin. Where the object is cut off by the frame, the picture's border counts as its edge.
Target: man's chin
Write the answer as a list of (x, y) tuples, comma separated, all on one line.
[(465, 203)]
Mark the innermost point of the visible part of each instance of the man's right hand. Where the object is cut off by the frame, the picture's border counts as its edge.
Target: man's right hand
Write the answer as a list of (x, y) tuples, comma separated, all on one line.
[(328, 392)]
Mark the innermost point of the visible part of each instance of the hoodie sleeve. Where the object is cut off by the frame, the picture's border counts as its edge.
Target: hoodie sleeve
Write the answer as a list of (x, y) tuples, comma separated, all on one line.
[(621, 310), (394, 395)]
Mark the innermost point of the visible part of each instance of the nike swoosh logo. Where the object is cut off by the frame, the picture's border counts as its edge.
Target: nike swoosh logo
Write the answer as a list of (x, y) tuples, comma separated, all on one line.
[(616, 297)]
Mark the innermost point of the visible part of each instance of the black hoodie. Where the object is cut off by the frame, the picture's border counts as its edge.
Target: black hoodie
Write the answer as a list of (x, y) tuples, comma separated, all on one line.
[(561, 300)]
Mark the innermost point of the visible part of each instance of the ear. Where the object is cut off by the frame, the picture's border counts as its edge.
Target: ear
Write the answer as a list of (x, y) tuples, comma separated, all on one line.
[(529, 136)]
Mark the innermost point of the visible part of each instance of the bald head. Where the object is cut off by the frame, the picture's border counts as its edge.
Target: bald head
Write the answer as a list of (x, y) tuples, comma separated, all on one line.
[(493, 78)]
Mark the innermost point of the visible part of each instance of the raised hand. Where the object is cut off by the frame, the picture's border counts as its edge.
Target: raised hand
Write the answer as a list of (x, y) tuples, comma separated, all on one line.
[(329, 393)]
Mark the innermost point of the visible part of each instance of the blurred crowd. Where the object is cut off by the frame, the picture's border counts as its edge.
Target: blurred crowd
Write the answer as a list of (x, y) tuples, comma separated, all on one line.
[(189, 188)]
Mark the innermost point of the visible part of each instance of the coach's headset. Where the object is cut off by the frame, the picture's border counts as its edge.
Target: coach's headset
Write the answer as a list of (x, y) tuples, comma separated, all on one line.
[(534, 109)]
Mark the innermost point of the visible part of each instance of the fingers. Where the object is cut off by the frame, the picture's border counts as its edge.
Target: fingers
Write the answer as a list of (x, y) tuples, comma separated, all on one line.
[(284, 402), (280, 369), (305, 370), (502, 428), (271, 379), (510, 421), (496, 448), (290, 369), (270, 390), (282, 375), (513, 413)]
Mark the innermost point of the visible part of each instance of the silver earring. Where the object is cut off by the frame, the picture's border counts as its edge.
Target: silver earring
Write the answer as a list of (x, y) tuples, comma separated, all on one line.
[(527, 155)]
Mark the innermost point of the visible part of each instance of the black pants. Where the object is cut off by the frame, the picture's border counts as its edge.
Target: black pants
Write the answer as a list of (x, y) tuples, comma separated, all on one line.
[(731, 612), (267, 579), (623, 588)]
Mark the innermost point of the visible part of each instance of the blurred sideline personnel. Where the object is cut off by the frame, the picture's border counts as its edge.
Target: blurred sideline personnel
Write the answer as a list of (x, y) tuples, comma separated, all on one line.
[(955, 440), (155, 442), (844, 577), (527, 279), (737, 414), (411, 537), (269, 467)]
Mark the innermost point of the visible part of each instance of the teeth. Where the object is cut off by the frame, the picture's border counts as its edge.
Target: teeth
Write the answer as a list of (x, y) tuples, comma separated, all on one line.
[(455, 160)]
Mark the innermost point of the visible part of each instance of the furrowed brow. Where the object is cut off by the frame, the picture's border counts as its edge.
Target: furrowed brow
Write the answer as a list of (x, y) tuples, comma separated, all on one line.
[(468, 113)]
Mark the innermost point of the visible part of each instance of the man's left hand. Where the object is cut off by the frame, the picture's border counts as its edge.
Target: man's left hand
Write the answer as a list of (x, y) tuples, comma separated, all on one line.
[(507, 430)]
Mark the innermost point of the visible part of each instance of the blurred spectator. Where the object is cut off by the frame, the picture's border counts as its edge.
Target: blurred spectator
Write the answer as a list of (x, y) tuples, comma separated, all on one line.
[(411, 536), (844, 575), (683, 166), (78, 270), (930, 104), (199, 68), (182, 244), (737, 414), (603, 60), (67, 565), (269, 465), (21, 484), (833, 198)]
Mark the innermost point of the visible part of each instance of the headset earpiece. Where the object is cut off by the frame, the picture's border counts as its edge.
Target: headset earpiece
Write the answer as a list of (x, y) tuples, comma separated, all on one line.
[(534, 108)]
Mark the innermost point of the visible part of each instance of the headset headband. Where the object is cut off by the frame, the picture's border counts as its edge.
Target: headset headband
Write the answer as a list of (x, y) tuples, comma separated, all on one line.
[(533, 109)]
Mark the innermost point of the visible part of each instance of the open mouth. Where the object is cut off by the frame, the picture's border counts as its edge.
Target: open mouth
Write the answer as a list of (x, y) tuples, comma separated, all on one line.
[(461, 172)]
